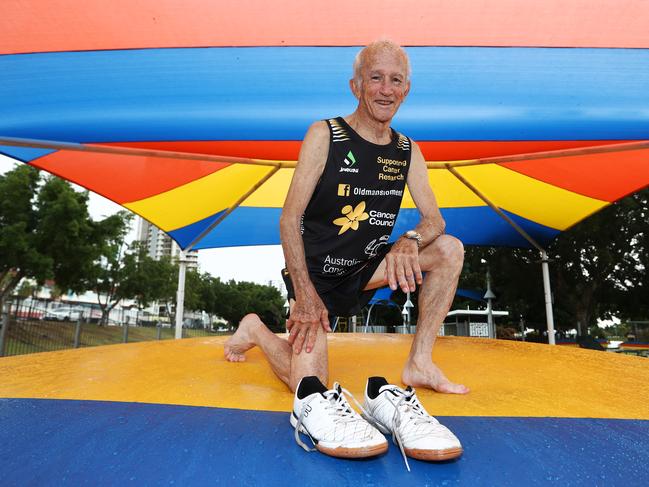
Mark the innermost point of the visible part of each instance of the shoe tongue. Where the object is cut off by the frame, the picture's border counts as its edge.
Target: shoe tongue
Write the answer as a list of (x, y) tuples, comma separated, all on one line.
[(337, 396), (337, 391), (398, 391)]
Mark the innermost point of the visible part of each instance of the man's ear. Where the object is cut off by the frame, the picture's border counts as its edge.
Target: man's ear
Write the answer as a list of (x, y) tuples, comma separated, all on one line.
[(407, 90), (354, 88)]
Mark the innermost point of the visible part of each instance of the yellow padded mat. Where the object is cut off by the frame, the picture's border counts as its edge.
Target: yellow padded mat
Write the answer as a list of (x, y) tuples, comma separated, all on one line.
[(506, 378)]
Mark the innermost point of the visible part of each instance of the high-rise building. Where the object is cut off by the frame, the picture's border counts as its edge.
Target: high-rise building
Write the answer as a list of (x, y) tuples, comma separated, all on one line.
[(158, 244)]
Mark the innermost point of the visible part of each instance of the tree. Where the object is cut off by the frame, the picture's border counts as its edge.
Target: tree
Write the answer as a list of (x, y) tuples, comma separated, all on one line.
[(266, 301), (109, 274), (631, 295), (233, 300), (597, 260), (149, 280), (46, 232), (18, 222), (66, 233), (597, 270), (209, 295), (195, 282)]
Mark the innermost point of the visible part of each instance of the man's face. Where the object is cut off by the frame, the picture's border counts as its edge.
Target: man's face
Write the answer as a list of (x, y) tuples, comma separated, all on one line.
[(383, 87)]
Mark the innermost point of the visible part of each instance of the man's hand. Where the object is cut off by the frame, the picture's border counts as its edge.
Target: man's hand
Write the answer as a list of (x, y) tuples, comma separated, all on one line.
[(402, 265), (306, 316)]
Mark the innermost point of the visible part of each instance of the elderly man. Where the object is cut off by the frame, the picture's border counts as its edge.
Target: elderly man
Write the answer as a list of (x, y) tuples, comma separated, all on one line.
[(337, 219)]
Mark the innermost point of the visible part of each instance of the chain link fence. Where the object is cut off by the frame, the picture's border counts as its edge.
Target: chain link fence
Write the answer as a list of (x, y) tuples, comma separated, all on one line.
[(20, 336)]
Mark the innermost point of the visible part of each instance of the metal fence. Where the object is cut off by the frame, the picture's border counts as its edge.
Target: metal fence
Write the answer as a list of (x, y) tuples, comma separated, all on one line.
[(19, 336)]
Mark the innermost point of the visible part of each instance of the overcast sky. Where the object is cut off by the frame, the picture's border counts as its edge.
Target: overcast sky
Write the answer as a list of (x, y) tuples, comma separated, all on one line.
[(256, 264)]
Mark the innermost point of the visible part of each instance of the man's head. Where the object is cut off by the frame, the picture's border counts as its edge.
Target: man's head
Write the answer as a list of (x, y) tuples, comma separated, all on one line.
[(381, 79)]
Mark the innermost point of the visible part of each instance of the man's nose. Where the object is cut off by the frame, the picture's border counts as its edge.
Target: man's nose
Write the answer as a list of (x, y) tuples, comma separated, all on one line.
[(386, 87)]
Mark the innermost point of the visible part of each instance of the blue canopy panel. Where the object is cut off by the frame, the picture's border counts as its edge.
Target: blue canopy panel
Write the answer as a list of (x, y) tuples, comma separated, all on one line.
[(274, 93), (473, 226)]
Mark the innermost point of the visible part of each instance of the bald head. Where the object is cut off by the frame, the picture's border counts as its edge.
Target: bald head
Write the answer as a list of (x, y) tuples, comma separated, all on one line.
[(369, 52)]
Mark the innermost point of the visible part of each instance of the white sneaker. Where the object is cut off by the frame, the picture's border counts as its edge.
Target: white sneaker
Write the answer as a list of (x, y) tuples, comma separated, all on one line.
[(331, 423), (398, 411)]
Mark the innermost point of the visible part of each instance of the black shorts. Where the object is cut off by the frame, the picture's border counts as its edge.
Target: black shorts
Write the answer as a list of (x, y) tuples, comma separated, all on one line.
[(345, 296)]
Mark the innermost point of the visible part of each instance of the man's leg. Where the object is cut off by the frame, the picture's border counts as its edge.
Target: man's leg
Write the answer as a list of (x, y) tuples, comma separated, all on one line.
[(442, 261), (289, 367)]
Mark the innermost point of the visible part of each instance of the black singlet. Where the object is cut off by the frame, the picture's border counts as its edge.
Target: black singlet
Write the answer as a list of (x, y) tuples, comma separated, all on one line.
[(352, 212)]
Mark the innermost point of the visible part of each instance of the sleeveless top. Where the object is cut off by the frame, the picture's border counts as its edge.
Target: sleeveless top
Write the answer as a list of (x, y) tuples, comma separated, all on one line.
[(354, 206)]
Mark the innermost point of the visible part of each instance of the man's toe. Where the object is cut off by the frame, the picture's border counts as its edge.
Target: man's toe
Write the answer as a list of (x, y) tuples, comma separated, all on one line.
[(450, 388)]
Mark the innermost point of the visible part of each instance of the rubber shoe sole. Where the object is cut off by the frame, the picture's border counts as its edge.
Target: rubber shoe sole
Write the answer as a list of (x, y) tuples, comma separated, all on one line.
[(434, 455), (365, 452), (426, 455), (345, 452)]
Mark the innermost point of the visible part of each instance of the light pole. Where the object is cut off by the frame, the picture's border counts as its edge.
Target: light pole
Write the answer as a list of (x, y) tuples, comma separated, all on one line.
[(287, 308), (489, 296), (405, 313), (180, 294), (548, 296)]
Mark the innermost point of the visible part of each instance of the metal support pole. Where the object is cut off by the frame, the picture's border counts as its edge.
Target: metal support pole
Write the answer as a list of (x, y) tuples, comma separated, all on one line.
[(158, 333), (180, 295), (3, 332), (489, 296), (403, 329), (408, 306), (367, 320), (490, 319), (77, 333), (354, 324), (548, 297), (125, 325)]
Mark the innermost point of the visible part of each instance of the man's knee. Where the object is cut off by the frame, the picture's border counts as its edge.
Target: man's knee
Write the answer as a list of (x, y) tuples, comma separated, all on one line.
[(452, 248), (320, 338), (446, 249), (250, 317)]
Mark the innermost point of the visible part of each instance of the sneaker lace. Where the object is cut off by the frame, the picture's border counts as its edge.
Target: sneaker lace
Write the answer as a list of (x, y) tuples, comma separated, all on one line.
[(409, 408), (337, 406)]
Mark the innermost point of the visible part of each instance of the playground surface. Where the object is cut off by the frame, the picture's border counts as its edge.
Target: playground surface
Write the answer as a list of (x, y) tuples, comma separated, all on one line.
[(175, 412)]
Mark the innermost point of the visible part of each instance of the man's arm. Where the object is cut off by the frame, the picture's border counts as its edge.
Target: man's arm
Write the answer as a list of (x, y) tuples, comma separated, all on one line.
[(402, 262), (309, 311)]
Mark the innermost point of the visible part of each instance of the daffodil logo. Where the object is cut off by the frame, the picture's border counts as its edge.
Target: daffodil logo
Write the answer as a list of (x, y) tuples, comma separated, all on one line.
[(351, 218)]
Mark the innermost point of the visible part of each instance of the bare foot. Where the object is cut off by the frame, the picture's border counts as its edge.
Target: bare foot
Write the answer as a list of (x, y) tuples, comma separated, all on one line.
[(238, 344), (430, 377)]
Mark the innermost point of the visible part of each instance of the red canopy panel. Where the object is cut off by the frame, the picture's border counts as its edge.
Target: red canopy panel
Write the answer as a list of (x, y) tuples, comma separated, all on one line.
[(603, 176), (124, 178), (288, 150)]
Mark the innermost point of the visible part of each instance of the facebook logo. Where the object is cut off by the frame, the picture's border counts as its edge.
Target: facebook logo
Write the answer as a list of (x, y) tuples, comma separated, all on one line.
[(343, 189)]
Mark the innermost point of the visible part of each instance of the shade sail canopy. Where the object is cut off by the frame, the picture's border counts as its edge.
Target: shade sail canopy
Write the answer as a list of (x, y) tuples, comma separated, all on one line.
[(481, 93)]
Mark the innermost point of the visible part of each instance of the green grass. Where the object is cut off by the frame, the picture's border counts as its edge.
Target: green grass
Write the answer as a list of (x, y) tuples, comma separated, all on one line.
[(44, 336)]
